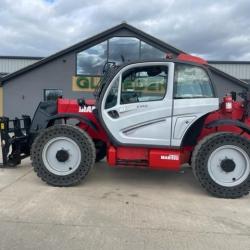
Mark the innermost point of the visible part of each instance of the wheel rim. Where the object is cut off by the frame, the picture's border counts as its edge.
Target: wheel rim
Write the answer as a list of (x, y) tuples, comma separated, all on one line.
[(229, 165), (61, 156)]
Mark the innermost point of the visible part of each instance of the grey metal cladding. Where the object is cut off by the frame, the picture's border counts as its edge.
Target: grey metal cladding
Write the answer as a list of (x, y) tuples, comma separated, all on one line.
[(10, 65), (238, 70)]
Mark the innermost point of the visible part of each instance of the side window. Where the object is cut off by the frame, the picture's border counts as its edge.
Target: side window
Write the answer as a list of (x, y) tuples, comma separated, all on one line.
[(143, 84), (112, 96), (52, 94), (192, 82)]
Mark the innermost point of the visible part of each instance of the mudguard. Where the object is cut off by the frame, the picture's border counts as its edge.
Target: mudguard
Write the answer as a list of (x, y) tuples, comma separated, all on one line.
[(74, 116), (228, 122), (46, 113)]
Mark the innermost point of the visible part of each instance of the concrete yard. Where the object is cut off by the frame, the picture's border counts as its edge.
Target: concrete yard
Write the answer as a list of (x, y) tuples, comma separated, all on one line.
[(118, 209)]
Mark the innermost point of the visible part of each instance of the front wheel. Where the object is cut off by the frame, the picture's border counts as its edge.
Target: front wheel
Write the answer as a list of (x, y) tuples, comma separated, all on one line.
[(221, 163), (62, 155)]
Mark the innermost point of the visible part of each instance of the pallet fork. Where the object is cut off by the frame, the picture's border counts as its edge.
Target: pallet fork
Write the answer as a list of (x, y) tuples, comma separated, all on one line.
[(15, 140)]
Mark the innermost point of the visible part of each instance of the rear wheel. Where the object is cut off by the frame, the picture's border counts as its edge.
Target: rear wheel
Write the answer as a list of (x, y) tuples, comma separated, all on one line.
[(62, 155), (221, 163)]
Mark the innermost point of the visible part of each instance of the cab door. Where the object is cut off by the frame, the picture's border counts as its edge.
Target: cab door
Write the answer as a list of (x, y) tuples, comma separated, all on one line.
[(137, 106)]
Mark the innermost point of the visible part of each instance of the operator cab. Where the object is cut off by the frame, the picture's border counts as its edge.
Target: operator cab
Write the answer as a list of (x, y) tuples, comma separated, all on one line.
[(153, 103)]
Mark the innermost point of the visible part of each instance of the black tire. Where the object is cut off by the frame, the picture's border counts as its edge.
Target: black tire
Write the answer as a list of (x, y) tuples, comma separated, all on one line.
[(101, 150), (200, 160), (82, 140)]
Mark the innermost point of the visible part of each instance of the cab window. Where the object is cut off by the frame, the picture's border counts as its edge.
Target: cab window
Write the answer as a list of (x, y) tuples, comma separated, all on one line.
[(144, 84), (112, 96), (192, 82)]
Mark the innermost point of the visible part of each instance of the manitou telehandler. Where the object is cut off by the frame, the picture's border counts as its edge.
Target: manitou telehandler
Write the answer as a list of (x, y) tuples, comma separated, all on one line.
[(148, 114)]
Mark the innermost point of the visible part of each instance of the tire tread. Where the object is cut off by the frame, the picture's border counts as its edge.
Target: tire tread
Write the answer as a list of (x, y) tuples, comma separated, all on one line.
[(85, 143), (198, 163)]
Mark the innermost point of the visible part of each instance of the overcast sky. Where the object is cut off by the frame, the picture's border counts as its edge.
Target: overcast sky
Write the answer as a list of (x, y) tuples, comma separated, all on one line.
[(212, 29)]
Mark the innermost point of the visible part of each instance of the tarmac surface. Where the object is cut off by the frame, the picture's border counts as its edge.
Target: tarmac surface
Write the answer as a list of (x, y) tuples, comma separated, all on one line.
[(118, 208)]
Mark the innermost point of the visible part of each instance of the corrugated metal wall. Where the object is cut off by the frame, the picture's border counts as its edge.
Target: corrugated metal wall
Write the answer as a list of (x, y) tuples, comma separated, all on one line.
[(241, 70), (9, 65)]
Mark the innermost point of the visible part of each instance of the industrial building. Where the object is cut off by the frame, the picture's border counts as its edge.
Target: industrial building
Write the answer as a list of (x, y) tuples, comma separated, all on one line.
[(75, 71)]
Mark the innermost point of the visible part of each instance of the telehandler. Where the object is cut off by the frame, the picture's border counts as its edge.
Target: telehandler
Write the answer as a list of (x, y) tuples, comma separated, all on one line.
[(150, 114)]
